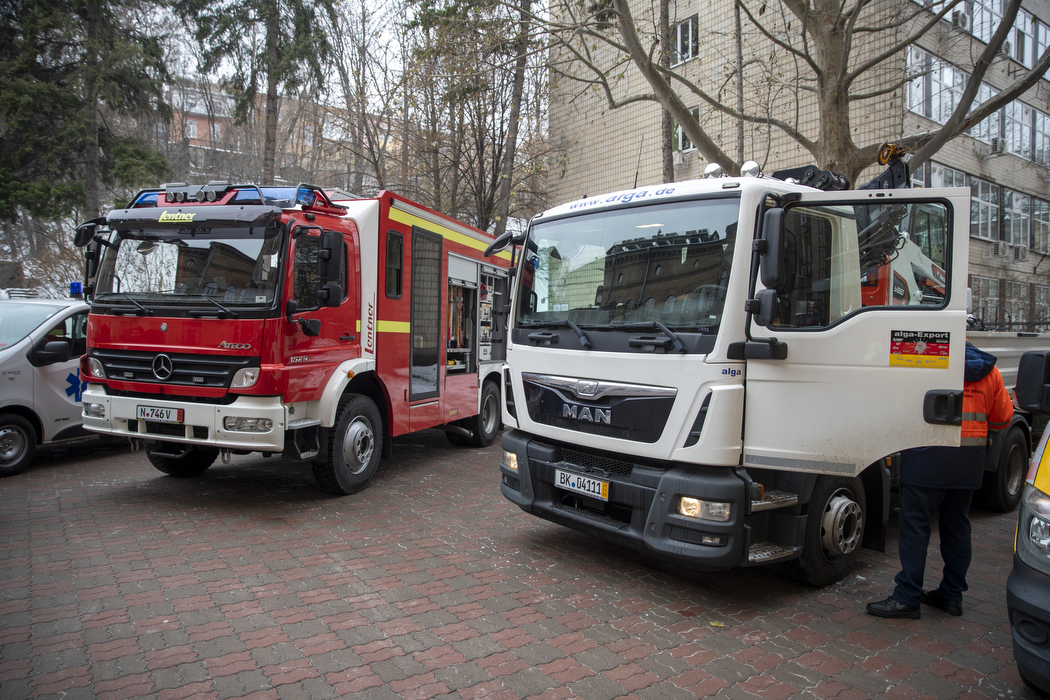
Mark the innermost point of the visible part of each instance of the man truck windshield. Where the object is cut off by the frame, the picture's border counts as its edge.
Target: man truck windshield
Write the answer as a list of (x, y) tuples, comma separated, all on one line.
[(666, 263)]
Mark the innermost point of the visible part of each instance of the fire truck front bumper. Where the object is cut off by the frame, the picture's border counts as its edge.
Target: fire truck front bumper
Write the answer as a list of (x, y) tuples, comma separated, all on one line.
[(690, 514), (254, 423)]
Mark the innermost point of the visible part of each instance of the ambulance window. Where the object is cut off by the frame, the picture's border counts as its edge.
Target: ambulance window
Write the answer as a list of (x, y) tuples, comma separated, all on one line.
[(394, 261)]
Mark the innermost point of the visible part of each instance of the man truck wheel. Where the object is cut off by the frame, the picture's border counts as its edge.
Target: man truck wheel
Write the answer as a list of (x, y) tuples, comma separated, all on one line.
[(487, 423), (1001, 490), (834, 531), (351, 453), (17, 444), (192, 462)]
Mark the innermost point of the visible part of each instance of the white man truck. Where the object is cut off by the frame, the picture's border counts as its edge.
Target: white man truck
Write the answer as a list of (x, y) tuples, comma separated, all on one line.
[(694, 370)]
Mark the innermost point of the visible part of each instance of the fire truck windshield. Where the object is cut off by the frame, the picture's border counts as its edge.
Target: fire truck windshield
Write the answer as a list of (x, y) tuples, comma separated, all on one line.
[(665, 263), (170, 270)]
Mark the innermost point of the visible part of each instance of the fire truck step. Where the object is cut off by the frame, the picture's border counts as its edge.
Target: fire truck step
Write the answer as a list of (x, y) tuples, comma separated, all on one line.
[(774, 499), (765, 552)]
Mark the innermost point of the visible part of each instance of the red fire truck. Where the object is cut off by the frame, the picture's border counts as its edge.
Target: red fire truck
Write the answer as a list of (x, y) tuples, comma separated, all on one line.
[(229, 319)]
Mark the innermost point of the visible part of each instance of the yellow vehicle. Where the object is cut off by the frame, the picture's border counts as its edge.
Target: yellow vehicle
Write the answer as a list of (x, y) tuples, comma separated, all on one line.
[(1028, 588)]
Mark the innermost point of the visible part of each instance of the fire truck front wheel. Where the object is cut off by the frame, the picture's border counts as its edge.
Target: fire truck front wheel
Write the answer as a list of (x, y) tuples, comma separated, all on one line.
[(167, 458), (487, 422), (351, 453), (834, 531)]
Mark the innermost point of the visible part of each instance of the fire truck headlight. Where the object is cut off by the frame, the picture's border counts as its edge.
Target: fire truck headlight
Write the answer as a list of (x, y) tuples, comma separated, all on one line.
[(94, 410), (95, 367), (245, 378), (510, 460), (704, 510), (247, 425), (1033, 532)]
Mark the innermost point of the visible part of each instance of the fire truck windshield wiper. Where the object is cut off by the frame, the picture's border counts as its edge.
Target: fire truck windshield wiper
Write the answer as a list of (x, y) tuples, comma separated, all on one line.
[(584, 340), (205, 297), (650, 326), (142, 308)]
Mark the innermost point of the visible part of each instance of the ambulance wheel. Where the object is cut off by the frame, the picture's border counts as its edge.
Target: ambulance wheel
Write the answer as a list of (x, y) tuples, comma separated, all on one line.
[(193, 462), (1001, 490), (351, 453), (486, 424), (834, 531), (17, 444)]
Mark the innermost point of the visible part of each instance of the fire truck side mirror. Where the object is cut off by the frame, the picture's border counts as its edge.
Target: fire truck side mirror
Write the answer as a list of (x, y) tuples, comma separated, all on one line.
[(84, 233), (330, 256), (771, 266), (499, 244), (1033, 382), (330, 294)]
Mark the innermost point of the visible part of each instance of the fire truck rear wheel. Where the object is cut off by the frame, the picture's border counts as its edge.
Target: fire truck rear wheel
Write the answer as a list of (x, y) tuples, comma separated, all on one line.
[(17, 444), (193, 462), (351, 455), (834, 531), (486, 424)]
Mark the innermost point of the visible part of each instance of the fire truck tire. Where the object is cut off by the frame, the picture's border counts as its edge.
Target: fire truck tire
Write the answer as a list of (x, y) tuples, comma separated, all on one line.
[(193, 462), (17, 444), (834, 531), (486, 424), (1001, 490), (354, 445), (457, 439)]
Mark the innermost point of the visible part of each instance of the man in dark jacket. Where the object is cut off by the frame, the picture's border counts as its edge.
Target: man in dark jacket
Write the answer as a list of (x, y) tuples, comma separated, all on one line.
[(944, 478)]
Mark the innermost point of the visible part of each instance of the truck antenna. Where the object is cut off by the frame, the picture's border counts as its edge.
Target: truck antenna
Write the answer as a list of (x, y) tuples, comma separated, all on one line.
[(641, 142)]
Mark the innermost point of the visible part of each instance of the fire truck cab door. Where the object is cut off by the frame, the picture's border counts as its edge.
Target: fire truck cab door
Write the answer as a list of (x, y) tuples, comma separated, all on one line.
[(859, 382), (309, 358)]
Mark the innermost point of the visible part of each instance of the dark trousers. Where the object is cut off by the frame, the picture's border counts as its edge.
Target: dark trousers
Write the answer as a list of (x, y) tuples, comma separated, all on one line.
[(918, 505)]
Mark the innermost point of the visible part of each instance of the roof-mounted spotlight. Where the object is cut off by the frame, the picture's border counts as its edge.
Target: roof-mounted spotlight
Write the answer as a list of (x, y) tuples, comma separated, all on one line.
[(712, 170), (750, 169)]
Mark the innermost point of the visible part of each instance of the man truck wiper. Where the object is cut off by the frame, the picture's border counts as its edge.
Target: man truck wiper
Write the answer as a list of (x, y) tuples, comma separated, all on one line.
[(584, 340), (650, 326)]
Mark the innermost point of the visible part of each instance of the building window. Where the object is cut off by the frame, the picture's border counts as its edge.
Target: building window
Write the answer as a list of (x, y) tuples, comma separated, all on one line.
[(943, 176), (1016, 217), (191, 128), (985, 296), (1017, 129), (986, 17), (1016, 303), (990, 127), (1022, 39), (1042, 309), (216, 132), (684, 144), (1040, 226), (1041, 154), (937, 88), (687, 40), (984, 209), (1042, 38), (918, 176)]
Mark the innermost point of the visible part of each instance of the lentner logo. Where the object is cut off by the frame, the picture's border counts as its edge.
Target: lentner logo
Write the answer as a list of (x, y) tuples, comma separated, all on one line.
[(169, 217)]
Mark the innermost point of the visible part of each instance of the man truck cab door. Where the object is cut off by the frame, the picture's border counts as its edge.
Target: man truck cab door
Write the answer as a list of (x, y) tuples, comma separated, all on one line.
[(848, 372)]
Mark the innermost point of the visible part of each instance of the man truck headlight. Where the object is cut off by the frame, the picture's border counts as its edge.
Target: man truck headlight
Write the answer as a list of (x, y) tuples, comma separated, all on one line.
[(94, 410), (245, 378), (247, 425), (510, 460), (1033, 531), (704, 510)]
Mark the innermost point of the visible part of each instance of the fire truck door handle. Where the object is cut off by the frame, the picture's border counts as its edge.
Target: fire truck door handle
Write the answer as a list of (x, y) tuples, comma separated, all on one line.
[(346, 337)]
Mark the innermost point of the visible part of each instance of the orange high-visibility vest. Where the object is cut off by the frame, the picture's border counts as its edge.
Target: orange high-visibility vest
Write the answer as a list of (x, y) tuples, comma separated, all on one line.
[(986, 404)]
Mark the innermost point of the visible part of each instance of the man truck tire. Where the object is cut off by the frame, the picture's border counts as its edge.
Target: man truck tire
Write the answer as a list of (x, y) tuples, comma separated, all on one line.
[(486, 424), (351, 453), (834, 531), (1001, 490), (193, 462), (17, 444)]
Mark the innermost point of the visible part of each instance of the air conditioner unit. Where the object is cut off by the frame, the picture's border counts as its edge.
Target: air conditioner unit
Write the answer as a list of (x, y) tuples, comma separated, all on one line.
[(998, 249), (1020, 253), (997, 146), (961, 21), (677, 158)]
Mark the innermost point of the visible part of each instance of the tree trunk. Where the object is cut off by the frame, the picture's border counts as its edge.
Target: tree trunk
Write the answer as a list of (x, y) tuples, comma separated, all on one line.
[(666, 123), (507, 174), (272, 104), (92, 208)]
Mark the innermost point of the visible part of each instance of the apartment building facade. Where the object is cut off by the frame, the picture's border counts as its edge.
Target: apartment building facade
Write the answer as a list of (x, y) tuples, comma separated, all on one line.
[(1005, 160)]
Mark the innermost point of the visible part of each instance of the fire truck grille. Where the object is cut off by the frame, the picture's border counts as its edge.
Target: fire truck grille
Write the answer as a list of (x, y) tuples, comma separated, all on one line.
[(591, 463), (211, 371)]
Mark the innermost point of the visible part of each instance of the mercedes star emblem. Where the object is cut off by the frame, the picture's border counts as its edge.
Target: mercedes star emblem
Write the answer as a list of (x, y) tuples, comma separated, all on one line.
[(162, 367)]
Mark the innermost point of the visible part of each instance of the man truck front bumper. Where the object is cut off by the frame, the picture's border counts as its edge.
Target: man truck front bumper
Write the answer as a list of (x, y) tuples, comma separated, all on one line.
[(644, 505), (199, 424)]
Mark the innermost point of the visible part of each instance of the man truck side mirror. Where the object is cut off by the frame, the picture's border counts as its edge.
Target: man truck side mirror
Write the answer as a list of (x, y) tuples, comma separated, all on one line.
[(771, 255), (1033, 382), (767, 309)]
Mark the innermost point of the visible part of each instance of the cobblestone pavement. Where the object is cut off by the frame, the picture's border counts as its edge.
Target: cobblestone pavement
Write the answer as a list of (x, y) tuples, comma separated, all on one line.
[(120, 582)]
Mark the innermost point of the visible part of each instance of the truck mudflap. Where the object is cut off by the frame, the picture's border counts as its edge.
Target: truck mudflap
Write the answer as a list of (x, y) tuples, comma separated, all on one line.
[(188, 422), (640, 507)]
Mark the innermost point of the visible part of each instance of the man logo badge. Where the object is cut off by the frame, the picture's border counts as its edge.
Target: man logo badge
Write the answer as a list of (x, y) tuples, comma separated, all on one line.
[(584, 413)]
